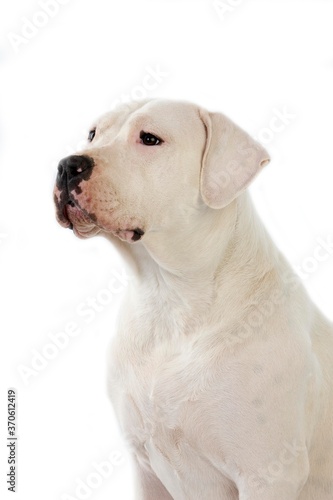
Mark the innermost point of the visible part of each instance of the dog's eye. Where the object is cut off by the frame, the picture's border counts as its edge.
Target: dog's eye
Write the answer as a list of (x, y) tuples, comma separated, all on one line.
[(149, 139), (91, 134)]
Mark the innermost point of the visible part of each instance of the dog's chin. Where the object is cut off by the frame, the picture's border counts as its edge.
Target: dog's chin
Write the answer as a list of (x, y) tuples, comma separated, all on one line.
[(85, 225), (81, 223)]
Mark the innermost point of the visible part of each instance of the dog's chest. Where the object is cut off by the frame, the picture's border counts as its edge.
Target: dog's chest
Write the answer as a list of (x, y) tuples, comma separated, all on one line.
[(153, 392), (159, 402), (161, 387), (156, 368), (153, 388)]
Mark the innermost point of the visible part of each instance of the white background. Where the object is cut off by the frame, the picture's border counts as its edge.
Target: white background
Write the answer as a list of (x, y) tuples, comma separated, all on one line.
[(254, 60)]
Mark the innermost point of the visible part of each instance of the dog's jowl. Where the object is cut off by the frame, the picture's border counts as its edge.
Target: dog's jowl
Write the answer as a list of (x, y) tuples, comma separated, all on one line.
[(221, 372)]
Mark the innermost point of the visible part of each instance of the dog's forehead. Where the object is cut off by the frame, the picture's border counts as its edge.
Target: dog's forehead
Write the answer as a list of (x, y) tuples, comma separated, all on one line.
[(161, 113), (116, 117), (165, 113)]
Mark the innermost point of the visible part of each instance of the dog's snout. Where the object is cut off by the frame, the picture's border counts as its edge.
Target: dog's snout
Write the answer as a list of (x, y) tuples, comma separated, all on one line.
[(74, 165)]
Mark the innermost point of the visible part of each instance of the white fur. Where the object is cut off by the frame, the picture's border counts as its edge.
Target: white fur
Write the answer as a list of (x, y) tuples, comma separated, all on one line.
[(221, 372)]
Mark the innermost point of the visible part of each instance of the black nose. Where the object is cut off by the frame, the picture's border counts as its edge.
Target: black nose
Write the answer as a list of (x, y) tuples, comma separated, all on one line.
[(73, 166)]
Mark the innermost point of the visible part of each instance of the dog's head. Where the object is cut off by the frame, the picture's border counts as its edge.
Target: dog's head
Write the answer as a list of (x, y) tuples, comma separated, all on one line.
[(148, 165)]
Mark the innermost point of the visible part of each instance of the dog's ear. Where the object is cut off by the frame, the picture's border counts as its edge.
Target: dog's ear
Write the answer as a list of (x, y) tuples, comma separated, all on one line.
[(230, 161)]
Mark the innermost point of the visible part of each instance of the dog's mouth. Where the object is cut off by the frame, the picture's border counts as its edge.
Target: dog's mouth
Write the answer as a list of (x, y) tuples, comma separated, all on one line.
[(84, 224), (70, 215), (66, 212)]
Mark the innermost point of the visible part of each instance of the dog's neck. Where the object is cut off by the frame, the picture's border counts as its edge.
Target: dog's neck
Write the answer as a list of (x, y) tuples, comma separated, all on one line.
[(190, 261)]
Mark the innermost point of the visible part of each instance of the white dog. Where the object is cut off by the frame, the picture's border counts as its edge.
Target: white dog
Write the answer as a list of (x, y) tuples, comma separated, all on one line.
[(221, 373)]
